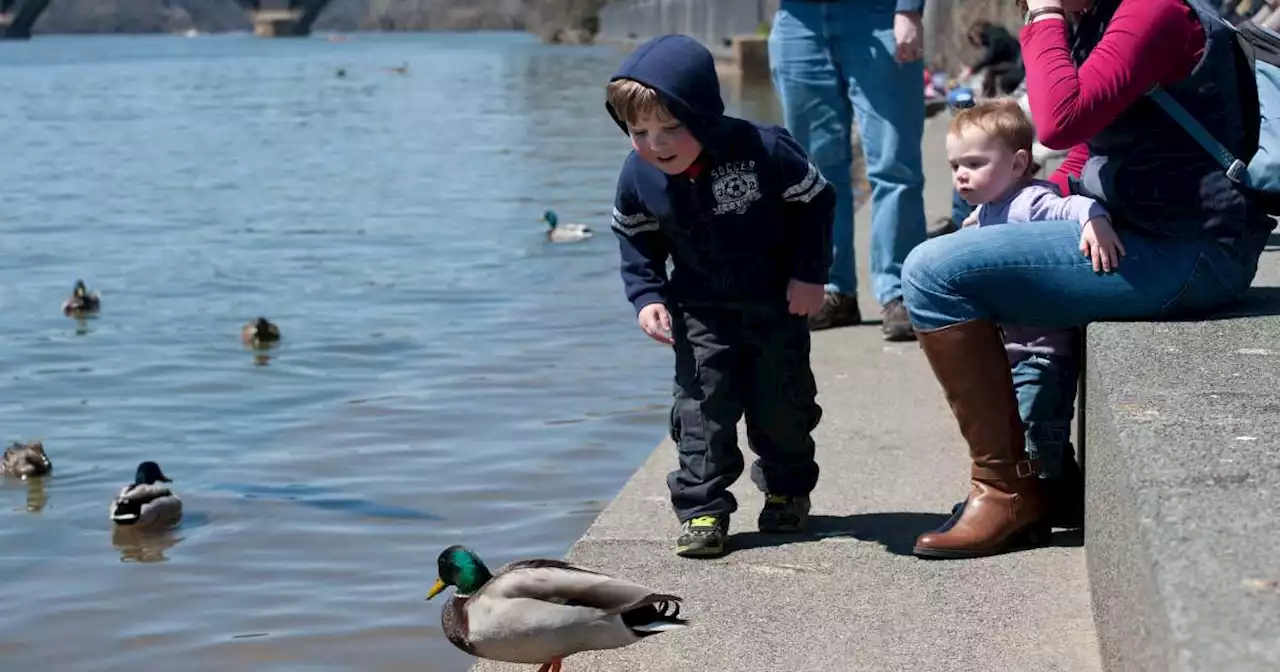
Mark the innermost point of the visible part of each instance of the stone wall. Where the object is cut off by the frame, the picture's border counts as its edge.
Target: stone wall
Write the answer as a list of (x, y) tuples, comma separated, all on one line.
[(563, 21)]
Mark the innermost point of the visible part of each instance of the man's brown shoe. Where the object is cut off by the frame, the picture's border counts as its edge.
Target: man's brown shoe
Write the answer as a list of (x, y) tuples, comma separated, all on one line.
[(838, 310), (894, 323)]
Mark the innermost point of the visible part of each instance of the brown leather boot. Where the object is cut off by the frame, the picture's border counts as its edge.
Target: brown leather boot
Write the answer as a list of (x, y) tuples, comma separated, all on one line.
[(1005, 507)]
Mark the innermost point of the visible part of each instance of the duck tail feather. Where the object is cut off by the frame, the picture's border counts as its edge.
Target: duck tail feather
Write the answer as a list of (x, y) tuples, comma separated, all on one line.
[(660, 615)]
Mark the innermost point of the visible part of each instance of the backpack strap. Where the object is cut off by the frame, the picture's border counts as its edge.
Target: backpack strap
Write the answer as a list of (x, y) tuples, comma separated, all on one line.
[(1235, 168)]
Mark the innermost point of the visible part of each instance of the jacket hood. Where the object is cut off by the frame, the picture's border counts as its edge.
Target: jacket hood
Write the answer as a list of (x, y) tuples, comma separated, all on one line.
[(683, 72)]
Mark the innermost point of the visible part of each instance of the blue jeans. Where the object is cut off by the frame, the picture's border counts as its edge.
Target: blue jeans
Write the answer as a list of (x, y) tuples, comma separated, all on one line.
[(1046, 389), (829, 62), (1036, 276)]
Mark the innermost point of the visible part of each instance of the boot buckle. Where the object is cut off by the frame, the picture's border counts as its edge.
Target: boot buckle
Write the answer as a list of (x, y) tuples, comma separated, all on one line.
[(1027, 468)]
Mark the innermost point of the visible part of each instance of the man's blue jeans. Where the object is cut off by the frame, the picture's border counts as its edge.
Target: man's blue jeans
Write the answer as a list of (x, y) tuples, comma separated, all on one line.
[(1036, 276), (833, 60)]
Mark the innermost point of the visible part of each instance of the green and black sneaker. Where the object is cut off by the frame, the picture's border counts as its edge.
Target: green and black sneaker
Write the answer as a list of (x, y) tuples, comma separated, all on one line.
[(784, 514), (703, 537)]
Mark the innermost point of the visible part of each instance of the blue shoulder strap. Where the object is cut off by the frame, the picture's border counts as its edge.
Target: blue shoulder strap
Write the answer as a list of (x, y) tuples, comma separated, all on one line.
[(1235, 168)]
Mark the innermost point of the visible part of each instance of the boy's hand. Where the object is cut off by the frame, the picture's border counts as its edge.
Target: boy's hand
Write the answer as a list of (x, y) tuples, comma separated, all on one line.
[(804, 298), (1099, 242), (970, 220), (656, 322)]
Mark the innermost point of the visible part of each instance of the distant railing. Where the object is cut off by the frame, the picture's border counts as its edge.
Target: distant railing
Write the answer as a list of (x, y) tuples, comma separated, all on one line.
[(712, 22)]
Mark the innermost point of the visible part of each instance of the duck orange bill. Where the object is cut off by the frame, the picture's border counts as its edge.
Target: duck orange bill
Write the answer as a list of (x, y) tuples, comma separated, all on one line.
[(435, 590)]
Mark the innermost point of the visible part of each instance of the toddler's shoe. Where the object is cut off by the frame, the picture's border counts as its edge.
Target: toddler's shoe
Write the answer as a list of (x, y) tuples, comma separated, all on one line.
[(784, 514), (703, 537)]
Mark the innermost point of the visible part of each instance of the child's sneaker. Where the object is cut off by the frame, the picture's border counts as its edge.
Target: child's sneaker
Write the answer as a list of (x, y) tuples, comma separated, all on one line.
[(703, 537), (784, 514)]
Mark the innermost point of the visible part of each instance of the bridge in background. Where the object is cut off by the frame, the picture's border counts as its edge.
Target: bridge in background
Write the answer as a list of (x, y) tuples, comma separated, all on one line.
[(17, 17), (283, 18), (271, 18)]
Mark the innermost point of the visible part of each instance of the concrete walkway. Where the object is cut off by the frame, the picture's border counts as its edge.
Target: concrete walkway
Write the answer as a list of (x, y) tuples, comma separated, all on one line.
[(850, 596)]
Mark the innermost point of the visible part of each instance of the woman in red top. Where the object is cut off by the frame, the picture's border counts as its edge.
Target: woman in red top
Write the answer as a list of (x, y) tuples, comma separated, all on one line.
[(1191, 241)]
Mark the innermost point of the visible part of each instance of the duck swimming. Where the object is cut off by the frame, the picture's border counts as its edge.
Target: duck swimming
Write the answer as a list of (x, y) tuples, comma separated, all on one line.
[(542, 611), (145, 502), (259, 333), (564, 233), (25, 459), (81, 301)]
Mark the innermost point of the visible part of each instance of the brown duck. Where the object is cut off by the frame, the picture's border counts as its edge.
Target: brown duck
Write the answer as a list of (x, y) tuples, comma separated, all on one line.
[(25, 459)]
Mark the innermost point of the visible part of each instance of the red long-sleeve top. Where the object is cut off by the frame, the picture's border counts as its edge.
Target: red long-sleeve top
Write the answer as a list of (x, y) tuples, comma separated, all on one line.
[(1145, 43)]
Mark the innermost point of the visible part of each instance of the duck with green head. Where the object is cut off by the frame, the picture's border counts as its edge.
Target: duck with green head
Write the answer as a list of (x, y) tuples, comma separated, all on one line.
[(81, 301), (542, 611), (560, 232), (146, 502)]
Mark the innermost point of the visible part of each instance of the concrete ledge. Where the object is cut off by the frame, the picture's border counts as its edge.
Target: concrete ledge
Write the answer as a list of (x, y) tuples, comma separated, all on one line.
[(1182, 428)]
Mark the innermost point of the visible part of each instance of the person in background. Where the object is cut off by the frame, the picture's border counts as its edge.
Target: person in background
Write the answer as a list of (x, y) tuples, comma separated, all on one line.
[(833, 61), (1191, 239), (1001, 60)]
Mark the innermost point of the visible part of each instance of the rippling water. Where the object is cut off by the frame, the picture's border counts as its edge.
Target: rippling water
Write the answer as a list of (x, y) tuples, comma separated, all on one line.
[(445, 375)]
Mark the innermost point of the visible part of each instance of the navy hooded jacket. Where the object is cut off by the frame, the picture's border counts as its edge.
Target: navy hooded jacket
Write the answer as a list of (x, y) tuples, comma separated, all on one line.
[(758, 213)]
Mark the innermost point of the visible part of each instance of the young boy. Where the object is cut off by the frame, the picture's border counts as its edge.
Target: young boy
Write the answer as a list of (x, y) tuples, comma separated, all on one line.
[(746, 220), (989, 147)]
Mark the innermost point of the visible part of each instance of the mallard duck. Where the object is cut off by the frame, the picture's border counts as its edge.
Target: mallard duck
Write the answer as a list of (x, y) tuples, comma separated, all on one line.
[(564, 233), (541, 611), (81, 301), (259, 333), (145, 502), (25, 459)]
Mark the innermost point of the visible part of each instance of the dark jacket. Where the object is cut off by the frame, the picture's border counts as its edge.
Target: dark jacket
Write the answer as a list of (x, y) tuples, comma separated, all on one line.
[(1151, 174), (758, 214)]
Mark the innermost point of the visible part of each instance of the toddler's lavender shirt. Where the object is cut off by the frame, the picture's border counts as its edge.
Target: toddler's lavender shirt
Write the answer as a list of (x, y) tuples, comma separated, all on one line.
[(1038, 201)]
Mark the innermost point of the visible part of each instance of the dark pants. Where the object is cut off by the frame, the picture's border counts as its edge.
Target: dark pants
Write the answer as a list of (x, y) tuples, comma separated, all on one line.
[(1002, 78), (730, 362)]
